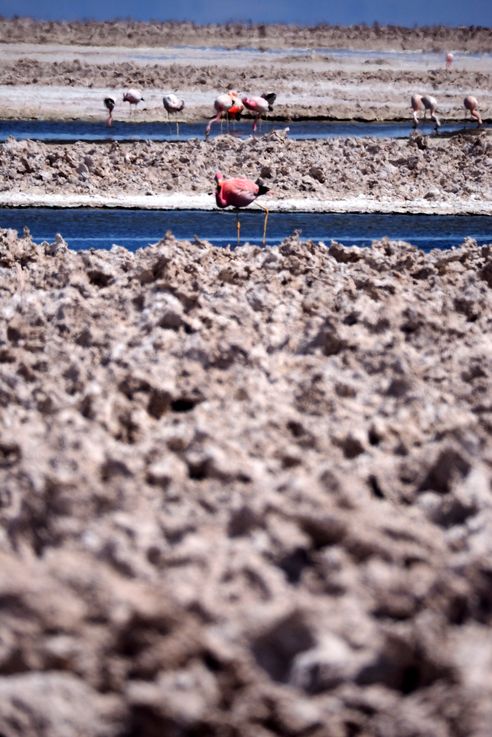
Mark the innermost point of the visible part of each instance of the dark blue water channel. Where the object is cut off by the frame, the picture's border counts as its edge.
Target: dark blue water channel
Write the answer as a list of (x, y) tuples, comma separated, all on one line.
[(68, 131), (85, 228)]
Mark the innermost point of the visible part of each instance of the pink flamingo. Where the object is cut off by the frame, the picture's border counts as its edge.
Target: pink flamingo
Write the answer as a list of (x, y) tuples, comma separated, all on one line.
[(239, 192), (133, 97), (449, 60), (222, 104), (471, 104), (109, 104), (259, 105), (430, 105), (234, 112), (424, 103), (417, 107), (173, 104)]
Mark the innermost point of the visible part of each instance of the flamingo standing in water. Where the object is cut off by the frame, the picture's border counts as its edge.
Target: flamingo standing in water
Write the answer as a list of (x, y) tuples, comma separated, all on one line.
[(449, 60), (239, 192), (424, 103), (109, 104), (471, 104), (234, 112), (430, 105), (259, 105), (173, 104), (133, 97), (417, 107), (222, 105)]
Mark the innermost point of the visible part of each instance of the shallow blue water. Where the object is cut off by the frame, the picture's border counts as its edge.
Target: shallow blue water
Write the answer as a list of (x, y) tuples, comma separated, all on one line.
[(81, 130), (85, 228)]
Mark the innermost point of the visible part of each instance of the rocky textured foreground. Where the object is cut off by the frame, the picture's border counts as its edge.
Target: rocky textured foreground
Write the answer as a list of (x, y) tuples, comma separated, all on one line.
[(245, 493), (455, 173)]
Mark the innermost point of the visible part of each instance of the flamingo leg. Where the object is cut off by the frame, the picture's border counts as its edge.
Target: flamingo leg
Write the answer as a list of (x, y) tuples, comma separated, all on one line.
[(238, 226), (265, 226), (213, 119), (265, 210)]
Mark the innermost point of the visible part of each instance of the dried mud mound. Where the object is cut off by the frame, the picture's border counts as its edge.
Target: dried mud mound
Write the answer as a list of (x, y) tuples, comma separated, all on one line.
[(236, 35), (455, 171), (245, 493), (285, 76)]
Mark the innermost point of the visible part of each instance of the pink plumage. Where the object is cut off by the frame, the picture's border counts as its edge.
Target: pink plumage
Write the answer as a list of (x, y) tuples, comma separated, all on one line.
[(259, 105), (471, 104), (237, 191), (133, 97), (424, 103), (222, 104)]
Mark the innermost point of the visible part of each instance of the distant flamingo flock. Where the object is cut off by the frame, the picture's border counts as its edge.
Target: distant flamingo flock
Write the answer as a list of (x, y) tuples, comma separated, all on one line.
[(231, 106), (428, 103), (239, 192), (228, 106)]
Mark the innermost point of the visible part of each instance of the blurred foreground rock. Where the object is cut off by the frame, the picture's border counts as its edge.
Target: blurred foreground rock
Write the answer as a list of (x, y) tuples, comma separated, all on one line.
[(245, 493)]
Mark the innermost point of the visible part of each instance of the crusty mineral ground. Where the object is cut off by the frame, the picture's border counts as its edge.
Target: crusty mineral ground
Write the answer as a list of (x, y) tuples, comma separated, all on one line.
[(450, 175), (60, 70), (245, 493)]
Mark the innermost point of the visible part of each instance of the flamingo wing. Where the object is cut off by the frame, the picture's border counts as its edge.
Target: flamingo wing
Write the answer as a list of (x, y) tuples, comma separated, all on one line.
[(239, 192), (244, 186), (256, 104)]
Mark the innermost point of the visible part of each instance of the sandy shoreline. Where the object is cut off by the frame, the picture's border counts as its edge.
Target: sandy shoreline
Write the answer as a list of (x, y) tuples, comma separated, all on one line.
[(359, 204)]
